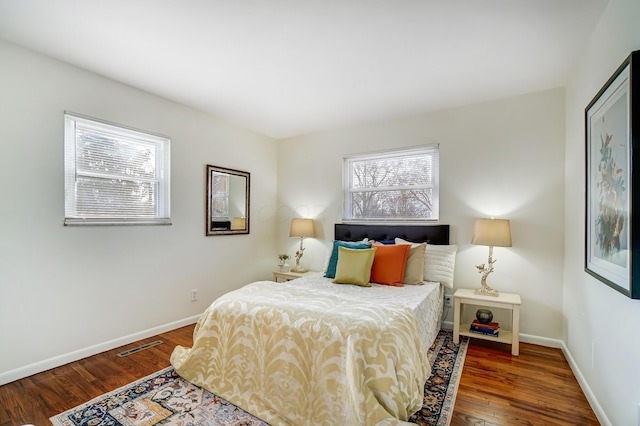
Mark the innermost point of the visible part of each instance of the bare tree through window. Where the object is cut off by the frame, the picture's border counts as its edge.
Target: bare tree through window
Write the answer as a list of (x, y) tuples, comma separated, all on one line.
[(392, 185)]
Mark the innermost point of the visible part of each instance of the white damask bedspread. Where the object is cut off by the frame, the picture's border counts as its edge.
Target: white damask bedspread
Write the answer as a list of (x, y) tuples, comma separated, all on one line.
[(425, 300), (296, 354)]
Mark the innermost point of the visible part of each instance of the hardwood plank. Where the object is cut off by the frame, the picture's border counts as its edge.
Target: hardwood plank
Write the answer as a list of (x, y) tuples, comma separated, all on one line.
[(535, 388), (496, 389), (34, 399)]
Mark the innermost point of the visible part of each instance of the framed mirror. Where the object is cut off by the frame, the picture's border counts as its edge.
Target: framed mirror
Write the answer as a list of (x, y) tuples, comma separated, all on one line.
[(227, 201)]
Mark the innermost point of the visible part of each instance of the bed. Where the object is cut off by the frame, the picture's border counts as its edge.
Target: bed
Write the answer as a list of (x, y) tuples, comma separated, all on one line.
[(310, 352)]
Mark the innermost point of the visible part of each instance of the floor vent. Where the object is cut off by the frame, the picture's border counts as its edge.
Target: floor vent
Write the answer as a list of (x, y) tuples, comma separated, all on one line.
[(140, 348)]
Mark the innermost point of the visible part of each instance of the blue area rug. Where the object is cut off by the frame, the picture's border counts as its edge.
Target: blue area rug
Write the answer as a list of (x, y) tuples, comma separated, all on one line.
[(165, 398)]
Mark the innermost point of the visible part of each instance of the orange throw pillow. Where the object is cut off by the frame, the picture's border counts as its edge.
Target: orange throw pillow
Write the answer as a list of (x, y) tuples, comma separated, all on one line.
[(389, 264)]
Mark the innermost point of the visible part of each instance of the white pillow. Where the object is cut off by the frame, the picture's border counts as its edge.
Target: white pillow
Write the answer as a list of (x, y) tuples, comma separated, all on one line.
[(439, 262)]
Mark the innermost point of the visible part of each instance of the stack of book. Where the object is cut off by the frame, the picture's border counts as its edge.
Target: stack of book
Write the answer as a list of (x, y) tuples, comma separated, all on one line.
[(489, 329)]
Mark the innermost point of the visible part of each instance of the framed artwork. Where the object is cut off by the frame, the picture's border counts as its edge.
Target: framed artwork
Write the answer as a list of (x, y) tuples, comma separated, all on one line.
[(612, 128)]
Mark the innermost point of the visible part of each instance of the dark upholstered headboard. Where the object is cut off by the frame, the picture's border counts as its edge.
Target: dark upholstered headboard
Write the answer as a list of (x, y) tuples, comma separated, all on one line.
[(432, 234)]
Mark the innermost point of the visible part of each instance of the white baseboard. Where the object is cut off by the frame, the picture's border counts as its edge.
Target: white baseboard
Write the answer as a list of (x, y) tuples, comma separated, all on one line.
[(542, 341), (559, 344), (57, 361), (588, 393)]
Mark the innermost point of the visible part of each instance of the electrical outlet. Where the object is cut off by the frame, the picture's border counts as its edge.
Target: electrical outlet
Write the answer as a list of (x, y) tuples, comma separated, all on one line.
[(448, 300), (194, 295)]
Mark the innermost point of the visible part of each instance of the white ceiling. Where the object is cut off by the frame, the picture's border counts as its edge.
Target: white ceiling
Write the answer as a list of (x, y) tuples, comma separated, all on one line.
[(288, 67)]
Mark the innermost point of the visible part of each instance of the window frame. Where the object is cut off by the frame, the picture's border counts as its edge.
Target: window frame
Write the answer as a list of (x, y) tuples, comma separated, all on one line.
[(161, 178), (347, 184)]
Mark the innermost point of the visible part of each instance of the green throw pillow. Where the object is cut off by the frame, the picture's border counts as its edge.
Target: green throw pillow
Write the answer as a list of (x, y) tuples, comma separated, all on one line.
[(333, 260), (354, 266)]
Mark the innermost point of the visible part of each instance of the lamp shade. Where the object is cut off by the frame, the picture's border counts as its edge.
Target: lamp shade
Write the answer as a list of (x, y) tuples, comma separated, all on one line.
[(302, 228), (238, 223), (492, 233)]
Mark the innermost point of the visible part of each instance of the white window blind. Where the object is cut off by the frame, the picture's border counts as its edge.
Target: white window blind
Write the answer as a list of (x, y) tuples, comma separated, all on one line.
[(114, 175), (398, 185), (219, 196)]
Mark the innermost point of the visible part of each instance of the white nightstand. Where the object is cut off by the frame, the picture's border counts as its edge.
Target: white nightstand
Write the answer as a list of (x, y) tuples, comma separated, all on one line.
[(504, 301), (287, 276)]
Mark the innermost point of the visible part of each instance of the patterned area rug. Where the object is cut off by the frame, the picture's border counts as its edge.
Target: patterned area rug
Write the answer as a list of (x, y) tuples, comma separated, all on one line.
[(440, 390), (165, 398)]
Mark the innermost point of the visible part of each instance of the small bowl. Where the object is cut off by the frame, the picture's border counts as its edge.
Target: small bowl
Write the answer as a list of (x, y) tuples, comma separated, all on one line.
[(484, 316)]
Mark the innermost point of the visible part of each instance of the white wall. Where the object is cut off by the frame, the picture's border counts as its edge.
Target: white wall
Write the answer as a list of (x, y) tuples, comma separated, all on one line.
[(503, 158), (602, 325), (64, 289)]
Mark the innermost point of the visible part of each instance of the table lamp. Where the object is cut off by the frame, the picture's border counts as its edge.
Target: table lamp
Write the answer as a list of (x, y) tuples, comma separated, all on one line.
[(301, 228), (492, 233)]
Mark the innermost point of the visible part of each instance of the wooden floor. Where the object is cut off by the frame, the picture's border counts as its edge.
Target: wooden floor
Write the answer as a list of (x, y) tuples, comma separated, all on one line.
[(536, 388)]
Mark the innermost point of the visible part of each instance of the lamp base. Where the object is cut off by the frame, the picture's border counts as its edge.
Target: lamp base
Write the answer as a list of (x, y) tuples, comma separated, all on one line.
[(299, 269), (486, 291)]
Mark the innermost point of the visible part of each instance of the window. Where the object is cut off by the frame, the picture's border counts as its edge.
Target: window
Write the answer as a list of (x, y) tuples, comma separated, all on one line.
[(398, 185), (114, 175), (219, 196)]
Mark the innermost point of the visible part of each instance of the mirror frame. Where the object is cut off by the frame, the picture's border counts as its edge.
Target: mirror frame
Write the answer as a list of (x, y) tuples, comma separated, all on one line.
[(209, 230)]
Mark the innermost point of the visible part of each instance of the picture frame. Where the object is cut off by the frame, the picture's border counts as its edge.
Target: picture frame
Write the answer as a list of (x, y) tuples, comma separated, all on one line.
[(612, 128), (227, 201)]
